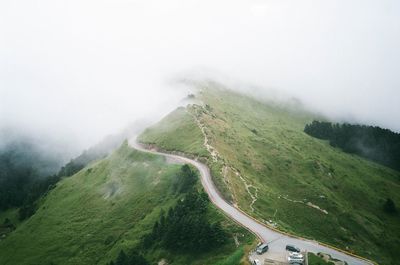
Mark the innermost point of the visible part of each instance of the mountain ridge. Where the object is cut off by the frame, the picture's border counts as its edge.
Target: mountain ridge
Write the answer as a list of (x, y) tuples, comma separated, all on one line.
[(313, 189)]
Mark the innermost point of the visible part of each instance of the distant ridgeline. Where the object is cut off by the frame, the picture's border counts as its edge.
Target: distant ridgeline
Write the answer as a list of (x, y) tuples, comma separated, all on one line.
[(21, 178), (21, 183), (375, 143)]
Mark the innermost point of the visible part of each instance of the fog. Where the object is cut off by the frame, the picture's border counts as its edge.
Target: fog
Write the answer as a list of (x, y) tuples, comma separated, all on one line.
[(78, 70)]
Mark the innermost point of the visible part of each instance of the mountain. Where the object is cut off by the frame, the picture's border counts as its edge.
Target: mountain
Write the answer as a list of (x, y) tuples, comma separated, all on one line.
[(263, 162), (98, 151), (108, 211), (25, 166), (30, 167), (124, 206)]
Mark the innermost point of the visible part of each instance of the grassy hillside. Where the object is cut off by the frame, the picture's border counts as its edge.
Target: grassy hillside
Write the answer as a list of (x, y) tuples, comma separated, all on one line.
[(317, 260), (171, 133), (107, 207), (264, 162)]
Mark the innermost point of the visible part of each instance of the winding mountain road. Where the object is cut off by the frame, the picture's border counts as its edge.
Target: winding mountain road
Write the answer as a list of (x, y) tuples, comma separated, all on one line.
[(277, 241)]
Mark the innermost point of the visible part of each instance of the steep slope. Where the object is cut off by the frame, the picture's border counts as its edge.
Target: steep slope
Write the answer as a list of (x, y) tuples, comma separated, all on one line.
[(24, 164), (264, 163), (107, 207)]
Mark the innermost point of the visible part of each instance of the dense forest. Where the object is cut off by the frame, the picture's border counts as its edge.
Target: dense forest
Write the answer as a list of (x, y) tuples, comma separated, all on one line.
[(374, 143)]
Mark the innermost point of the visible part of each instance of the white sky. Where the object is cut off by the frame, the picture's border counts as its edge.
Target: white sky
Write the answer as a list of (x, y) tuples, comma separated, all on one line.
[(82, 69)]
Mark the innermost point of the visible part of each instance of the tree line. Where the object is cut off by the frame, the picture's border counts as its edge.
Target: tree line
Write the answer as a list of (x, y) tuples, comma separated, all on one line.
[(22, 181), (132, 258), (374, 143), (185, 228), (21, 185)]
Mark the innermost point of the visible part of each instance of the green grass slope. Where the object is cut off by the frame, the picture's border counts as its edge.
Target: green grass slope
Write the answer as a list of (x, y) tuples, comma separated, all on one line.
[(172, 133), (108, 206), (271, 169), (317, 260)]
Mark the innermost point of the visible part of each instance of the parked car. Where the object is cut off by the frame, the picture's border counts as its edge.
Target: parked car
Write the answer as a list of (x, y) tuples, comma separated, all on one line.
[(256, 262), (292, 248), (296, 255), (292, 260), (262, 248)]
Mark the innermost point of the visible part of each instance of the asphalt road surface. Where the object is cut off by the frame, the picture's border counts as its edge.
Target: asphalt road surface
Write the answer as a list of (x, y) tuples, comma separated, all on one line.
[(277, 241)]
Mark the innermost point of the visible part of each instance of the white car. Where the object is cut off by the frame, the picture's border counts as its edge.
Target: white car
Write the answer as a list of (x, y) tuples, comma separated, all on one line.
[(296, 255), (293, 260), (256, 262)]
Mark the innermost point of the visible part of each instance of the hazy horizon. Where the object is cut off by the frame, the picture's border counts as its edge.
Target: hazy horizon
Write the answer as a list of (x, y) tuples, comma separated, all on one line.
[(79, 70)]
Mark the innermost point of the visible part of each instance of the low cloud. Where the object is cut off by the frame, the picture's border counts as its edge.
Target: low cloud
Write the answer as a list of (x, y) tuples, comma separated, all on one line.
[(83, 69)]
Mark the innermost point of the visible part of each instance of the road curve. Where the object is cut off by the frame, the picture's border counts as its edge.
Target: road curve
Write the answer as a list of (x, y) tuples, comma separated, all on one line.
[(277, 241)]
